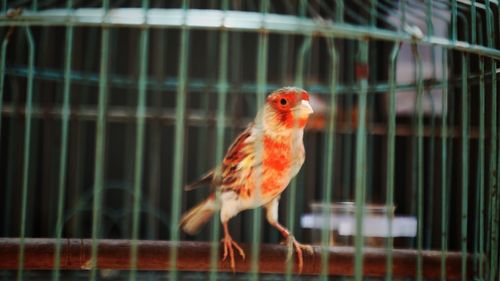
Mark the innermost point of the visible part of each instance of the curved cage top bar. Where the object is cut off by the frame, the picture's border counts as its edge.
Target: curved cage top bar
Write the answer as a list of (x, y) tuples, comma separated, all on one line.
[(233, 21)]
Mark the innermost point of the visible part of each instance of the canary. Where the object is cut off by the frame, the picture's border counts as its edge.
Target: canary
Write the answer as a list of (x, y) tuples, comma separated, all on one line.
[(256, 169)]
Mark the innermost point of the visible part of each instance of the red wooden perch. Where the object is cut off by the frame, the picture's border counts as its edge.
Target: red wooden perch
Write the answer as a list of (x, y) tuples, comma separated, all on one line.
[(195, 256)]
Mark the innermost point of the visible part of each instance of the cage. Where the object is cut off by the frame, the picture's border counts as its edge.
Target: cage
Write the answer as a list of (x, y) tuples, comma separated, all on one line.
[(108, 108)]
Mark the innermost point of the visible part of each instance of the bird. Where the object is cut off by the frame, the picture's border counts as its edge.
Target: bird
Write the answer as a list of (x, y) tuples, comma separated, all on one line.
[(256, 169)]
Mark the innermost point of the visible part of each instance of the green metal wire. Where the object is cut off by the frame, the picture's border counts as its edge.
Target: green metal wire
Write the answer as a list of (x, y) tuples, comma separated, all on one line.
[(494, 186), (444, 184), (26, 151), (100, 148), (219, 148), (330, 156), (361, 167), (139, 145), (179, 142), (492, 233), (284, 27), (473, 21), (292, 189), (465, 164), (480, 163), (262, 58), (8, 192), (64, 149), (420, 159), (391, 142), (347, 141), (454, 20), (5, 43)]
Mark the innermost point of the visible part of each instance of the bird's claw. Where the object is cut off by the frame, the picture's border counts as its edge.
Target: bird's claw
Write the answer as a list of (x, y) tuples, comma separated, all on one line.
[(228, 250), (292, 244)]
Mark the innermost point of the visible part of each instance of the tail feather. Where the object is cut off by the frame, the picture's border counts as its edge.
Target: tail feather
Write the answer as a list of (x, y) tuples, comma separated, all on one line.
[(195, 218)]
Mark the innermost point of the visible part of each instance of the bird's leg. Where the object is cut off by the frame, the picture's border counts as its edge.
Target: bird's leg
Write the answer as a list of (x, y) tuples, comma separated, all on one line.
[(228, 247), (292, 243)]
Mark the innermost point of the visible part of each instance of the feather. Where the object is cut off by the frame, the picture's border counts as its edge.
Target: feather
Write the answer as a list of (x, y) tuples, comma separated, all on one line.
[(196, 217)]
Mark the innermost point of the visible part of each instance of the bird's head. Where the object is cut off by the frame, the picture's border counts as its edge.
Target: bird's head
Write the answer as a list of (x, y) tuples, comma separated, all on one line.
[(287, 108)]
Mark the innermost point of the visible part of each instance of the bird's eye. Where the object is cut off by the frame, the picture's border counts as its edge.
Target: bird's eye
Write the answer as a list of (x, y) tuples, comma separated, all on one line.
[(283, 101)]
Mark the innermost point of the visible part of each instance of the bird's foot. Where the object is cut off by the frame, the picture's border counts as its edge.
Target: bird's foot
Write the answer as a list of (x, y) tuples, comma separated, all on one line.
[(299, 248), (228, 250)]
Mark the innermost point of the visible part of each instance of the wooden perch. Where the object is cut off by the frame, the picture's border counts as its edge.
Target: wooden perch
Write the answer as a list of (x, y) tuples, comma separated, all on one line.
[(195, 256)]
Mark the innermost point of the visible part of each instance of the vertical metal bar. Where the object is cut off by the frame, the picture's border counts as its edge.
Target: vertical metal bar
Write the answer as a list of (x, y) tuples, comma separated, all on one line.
[(494, 186), (402, 7), (8, 191), (348, 138), (373, 64), (420, 159), (139, 141), (3, 55), (480, 164), (361, 167), (373, 13), (329, 167), (473, 21), (491, 249), (222, 88), (14, 137), (286, 44), (26, 151), (263, 44), (64, 147), (465, 164), (339, 11), (454, 20), (428, 18), (429, 220), (292, 189), (100, 146), (480, 211), (444, 185), (179, 143), (391, 145)]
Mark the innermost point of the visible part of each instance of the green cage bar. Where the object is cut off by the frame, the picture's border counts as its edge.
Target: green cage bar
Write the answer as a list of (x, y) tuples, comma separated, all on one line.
[(420, 157), (464, 164), (26, 151), (391, 140), (445, 194), (329, 166), (360, 183), (139, 143), (178, 158), (100, 146), (64, 148)]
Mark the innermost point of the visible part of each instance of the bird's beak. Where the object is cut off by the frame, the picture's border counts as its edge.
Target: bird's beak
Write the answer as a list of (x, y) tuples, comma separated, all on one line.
[(305, 107)]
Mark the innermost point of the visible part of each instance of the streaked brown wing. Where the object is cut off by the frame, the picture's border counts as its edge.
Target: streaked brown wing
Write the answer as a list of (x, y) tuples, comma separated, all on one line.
[(238, 152), (238, 161)]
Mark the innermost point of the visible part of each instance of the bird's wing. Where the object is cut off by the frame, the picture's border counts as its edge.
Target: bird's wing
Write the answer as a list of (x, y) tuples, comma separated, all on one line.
[(239, 161), (238, 157)]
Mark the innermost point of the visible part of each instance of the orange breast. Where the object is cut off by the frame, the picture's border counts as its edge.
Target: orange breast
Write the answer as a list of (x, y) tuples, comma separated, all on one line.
[(276, 164)]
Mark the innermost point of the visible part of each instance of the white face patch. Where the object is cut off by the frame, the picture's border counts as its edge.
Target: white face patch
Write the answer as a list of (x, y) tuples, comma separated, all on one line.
[(305, 107)]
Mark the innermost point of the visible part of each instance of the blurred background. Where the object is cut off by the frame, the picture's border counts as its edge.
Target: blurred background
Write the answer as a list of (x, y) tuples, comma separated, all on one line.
[(351, 56)]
